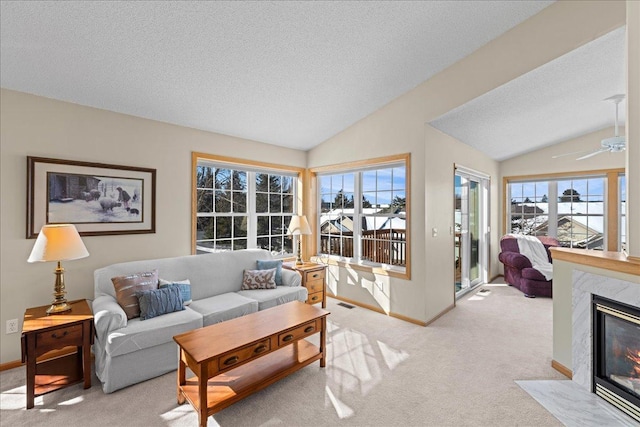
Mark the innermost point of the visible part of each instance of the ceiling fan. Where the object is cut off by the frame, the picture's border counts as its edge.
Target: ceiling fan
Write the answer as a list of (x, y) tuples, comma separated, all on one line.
[(614, 144)]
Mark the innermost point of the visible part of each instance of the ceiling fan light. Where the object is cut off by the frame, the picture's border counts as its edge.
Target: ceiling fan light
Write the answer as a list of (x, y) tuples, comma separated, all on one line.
[(614, 144)]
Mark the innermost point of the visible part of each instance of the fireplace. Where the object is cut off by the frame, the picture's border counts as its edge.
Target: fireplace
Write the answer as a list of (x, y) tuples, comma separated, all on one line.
[(616, 354)]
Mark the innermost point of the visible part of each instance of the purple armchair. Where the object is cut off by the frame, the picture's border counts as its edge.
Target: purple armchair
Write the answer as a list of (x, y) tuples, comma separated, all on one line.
[(518, 271)]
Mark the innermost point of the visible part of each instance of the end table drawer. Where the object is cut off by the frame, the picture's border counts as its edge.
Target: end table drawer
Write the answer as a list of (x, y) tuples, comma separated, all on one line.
[(314, 298), (315, 285), (297, 333), (71, 335), (241, 355), (315, 275)]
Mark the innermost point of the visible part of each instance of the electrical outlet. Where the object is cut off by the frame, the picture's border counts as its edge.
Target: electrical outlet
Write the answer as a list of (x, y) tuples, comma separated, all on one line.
[(12, 326)]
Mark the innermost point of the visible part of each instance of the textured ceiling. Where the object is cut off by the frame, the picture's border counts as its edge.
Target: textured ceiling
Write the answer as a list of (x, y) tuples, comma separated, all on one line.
[(287, 73), (560, 100)]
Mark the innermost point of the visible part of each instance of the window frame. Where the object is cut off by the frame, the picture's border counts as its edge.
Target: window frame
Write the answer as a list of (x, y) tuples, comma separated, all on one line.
[(253, 168), (611, 199), (358, 168)]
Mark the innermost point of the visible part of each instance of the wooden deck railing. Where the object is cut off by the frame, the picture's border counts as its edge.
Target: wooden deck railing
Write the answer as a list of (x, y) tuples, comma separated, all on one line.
[(379, 246)]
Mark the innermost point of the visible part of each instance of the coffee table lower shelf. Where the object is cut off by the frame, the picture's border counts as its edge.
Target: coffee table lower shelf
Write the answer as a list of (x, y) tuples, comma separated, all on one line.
[(228, 388)]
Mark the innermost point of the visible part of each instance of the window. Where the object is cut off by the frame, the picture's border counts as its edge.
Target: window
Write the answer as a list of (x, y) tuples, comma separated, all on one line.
[(572, 209), (363, 213), (240, 206)]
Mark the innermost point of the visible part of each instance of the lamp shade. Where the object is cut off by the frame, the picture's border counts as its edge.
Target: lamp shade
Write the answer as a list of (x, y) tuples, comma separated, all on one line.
[(58, 242), (298, 226)]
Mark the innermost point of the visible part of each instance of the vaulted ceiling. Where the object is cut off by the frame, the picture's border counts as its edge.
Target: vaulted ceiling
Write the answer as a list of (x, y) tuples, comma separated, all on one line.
[(296, 73)]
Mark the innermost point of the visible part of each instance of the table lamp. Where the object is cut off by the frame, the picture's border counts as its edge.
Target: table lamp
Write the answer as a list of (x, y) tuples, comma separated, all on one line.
[(297, 227), (58, 242)]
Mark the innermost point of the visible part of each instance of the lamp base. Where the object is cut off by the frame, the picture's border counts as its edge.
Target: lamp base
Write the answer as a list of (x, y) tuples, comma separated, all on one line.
[(59, 304), (58, 307), (299, 253)]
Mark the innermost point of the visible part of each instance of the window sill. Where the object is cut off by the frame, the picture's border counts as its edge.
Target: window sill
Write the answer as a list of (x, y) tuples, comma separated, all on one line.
[(403, 273)]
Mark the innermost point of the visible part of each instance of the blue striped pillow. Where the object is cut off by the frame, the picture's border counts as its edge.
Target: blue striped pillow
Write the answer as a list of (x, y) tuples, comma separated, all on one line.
[(185, 288), (156, 302)]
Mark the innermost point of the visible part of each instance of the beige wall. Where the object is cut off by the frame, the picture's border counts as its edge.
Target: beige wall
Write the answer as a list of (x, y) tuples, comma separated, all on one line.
[(443, 152), (400, 127), (633, 127), (542, 161), (42, 127), (35, 126)]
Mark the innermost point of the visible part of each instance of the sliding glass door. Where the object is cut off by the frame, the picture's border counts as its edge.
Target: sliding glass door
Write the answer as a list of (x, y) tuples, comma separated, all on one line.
[(471, 230)]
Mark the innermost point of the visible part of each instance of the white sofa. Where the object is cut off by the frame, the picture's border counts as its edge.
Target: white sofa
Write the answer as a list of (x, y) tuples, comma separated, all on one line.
[(130, 351)]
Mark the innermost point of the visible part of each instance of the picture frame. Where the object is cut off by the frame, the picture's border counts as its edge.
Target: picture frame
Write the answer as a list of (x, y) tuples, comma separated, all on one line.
[(98, 198)]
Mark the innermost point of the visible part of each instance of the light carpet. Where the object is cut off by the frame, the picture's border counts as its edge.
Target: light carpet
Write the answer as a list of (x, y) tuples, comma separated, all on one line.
[(381, 371)]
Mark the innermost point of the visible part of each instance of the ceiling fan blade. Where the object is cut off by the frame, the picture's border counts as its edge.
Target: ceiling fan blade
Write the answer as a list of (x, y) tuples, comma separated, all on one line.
[(602, 150), (569, 154)]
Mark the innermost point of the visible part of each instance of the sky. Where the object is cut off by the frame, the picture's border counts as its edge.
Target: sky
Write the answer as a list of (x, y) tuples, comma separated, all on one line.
[(379, 186), (590, 189)]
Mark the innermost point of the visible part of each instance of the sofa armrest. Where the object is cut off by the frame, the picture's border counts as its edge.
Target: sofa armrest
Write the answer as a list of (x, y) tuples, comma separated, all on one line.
[(107, 316), (291, 278), (515, 260)]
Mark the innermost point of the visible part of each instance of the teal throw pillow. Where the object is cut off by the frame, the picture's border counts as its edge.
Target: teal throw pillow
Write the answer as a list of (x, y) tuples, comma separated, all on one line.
[(269, 264), (185, 288), (156, 302)]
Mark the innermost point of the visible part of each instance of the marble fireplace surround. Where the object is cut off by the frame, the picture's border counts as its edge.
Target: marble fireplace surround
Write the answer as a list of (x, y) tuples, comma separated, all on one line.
[(584, 285)]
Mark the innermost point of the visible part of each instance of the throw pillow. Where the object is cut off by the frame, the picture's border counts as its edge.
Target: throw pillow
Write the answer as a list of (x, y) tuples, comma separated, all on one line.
[(156, 302), (259, 279), (269, 264), (184, 285), (127, 286)]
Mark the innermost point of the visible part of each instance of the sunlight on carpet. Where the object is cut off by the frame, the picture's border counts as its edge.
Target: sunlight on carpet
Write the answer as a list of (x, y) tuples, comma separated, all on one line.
[(14, 398), (342, 410), (180, 415), (391, 356), (73, 401)]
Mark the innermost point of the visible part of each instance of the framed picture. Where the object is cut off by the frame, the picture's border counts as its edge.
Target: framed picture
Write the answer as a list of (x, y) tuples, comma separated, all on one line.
[(99, 199)]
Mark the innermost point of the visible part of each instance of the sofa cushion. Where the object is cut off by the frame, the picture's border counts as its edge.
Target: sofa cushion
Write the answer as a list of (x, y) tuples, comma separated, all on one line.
[(223, 307), (184, 285), (266, 264), (127, 286), (271, 297), (259, 279), (156, 302), (138, 335)]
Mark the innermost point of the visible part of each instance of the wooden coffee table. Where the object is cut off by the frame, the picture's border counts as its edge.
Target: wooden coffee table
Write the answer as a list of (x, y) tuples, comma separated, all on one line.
[(234, 359)]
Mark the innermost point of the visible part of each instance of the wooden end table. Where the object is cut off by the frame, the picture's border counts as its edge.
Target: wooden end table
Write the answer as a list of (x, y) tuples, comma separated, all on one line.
[(42, 333), (233, 359), (314, 279)]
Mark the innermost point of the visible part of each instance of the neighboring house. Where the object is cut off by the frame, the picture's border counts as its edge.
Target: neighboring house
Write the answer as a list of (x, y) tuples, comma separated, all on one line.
[(579, 224)]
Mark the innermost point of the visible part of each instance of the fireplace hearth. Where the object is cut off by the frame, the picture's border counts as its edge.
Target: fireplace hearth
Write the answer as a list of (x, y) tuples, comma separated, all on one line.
[(616, 354)]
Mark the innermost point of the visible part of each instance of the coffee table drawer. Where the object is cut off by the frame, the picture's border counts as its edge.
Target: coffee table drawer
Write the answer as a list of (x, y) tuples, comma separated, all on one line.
[(297, 333), (243, 354)]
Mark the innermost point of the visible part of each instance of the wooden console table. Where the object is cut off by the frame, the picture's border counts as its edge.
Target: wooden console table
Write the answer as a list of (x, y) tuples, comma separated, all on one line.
[(42, 333), (233, 359)]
